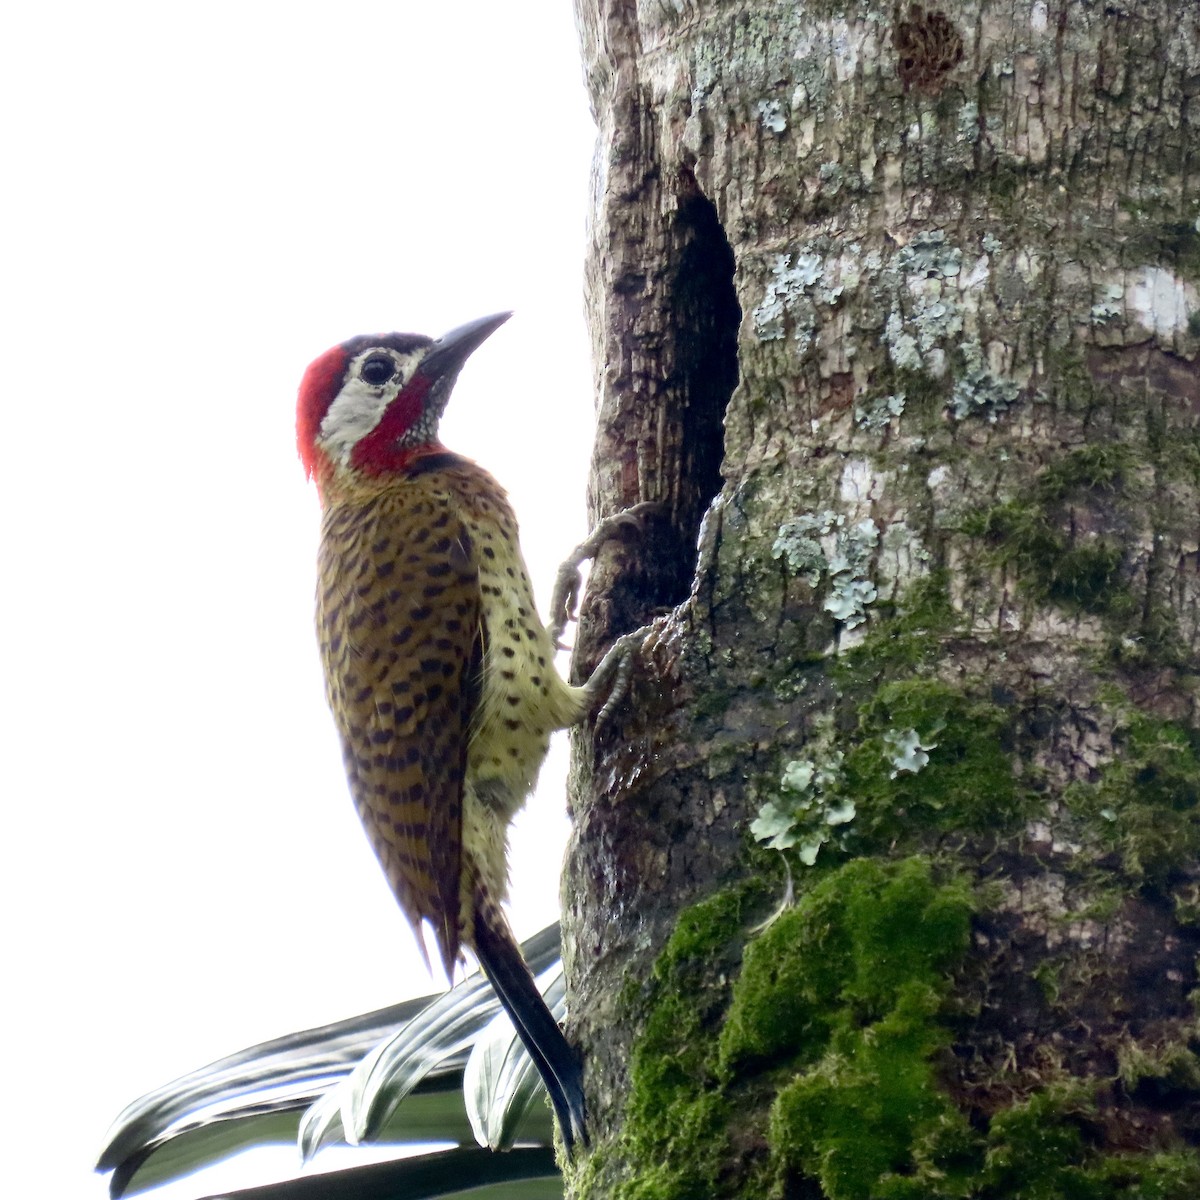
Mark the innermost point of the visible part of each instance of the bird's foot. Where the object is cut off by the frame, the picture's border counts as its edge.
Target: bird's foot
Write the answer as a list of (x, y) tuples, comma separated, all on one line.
[(565, 600), (614, 673)]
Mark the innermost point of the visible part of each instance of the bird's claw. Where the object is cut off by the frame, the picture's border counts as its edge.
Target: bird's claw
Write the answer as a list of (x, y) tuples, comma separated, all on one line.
[(565, 599), (615, 672)]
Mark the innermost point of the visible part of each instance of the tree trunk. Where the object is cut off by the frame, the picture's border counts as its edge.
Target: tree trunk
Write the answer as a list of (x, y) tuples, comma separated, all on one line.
[(895, 311)]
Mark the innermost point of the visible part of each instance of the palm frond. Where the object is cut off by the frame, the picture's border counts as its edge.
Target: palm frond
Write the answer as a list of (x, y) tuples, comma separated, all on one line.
[(392, 1075)]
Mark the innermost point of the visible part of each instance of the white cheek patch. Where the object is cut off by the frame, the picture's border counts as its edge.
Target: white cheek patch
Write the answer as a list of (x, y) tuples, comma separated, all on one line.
[(360, 405)]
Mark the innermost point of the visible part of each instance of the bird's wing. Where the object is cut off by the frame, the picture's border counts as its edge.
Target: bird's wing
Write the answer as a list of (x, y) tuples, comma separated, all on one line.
[(398, 618)]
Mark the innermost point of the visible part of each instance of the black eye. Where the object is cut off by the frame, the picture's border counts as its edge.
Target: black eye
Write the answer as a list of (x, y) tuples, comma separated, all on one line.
[(378, 369)]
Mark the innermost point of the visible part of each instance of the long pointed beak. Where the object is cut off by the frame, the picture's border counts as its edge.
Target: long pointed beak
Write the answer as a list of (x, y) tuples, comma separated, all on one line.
[(453, 349)]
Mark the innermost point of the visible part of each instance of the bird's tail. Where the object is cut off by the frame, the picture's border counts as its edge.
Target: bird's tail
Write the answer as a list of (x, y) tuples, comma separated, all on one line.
[(556, 1062)]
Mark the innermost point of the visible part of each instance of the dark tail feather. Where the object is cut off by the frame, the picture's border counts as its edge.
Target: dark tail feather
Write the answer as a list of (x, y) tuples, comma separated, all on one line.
[(556, 1062)]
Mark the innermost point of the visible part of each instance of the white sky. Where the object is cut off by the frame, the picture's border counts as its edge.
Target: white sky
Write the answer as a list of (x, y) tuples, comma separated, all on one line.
[(198, 201)]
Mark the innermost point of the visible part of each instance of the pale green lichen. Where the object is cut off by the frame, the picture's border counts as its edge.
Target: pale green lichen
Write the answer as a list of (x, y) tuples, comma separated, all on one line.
[(909, 750), (809, 812), (929, 255), (1110, 307), (801, 280), (821, 544), (850, 592), (808, 816), (978, 392), (770, 115), (848, 599), (877, 415), (798, 543)]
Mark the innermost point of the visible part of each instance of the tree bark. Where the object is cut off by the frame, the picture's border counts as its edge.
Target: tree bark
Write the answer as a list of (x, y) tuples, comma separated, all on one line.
[(895, 310)]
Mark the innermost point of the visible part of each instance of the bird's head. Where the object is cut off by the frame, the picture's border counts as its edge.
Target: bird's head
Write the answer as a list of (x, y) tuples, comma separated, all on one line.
[(373, 403)]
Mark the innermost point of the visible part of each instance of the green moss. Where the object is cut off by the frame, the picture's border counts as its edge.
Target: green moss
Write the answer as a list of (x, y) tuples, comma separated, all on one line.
[(1159, 1071), (676, 1121), (925, 396), (1146, 805), (968, 784), (848, 988), (840, 955), (1076, 575), (855, 971), (854, 1119), (1035, 1149), (838, 1025), (1043, 1149), (1099, 467), (911, 636)]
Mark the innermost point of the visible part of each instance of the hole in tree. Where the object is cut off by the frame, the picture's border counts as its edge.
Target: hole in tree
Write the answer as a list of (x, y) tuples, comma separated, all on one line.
[(698, 354), (700, 363), (701, 355)]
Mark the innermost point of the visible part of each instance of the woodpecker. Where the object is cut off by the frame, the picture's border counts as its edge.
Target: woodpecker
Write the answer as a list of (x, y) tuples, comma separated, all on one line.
[(438, 670)]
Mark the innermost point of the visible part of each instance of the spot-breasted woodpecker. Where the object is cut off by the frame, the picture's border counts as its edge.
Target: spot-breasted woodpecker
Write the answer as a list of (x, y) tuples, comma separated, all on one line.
[(438, 670)]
